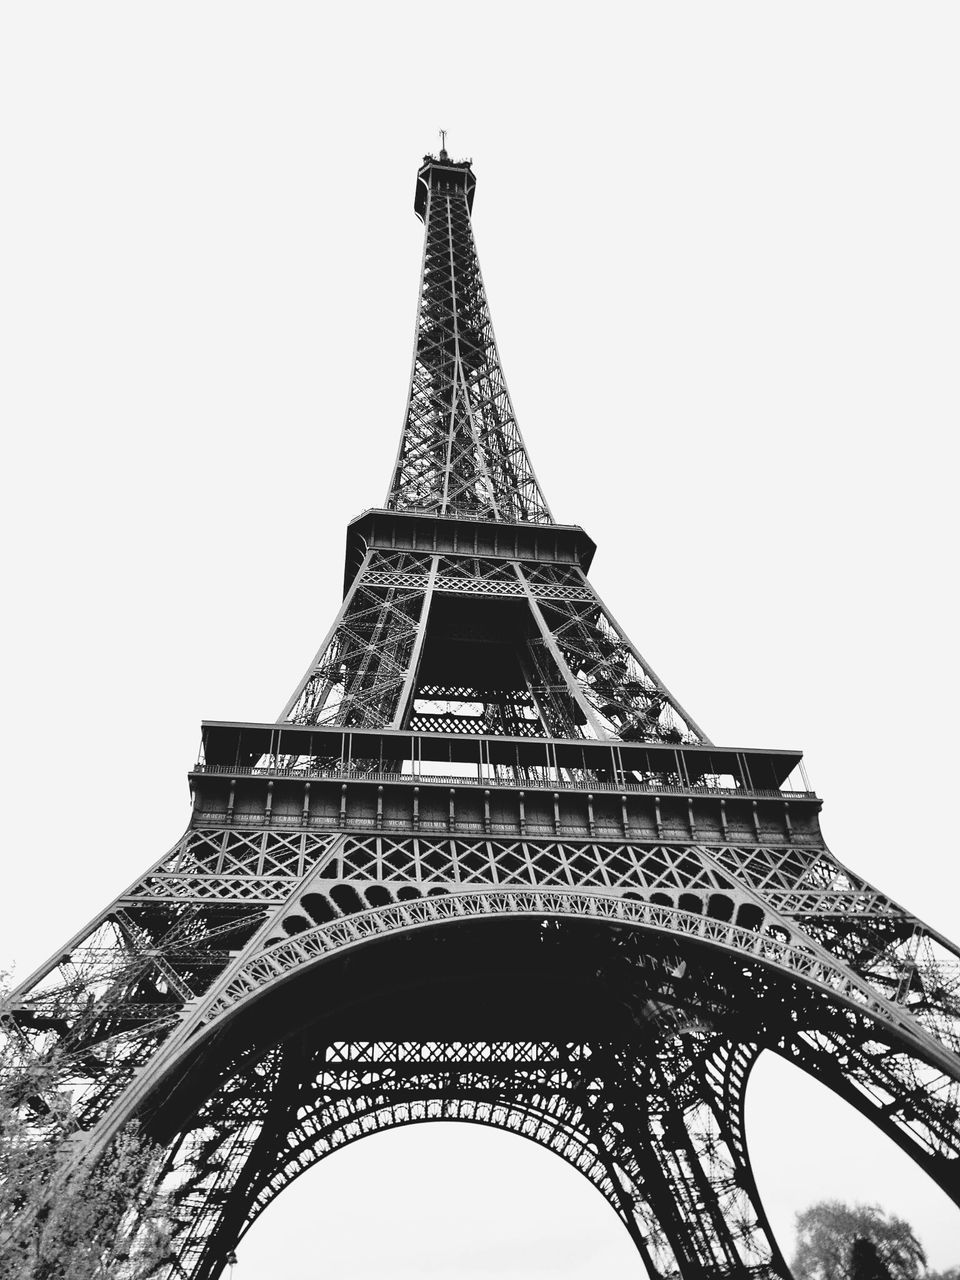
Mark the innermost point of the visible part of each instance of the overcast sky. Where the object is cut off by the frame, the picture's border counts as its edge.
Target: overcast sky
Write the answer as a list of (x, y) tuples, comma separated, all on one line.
[(720, 243)]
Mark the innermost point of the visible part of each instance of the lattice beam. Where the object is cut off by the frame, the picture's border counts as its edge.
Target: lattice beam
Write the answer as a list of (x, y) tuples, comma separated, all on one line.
[(461, 451), (484, 833)]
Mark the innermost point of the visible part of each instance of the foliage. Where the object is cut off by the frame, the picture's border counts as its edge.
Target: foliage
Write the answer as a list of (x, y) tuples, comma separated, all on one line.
[(86, 1224), (865, 1261), (837, 1241)]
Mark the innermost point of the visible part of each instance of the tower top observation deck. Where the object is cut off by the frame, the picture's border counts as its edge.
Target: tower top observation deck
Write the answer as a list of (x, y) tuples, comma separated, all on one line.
[(440, 173)]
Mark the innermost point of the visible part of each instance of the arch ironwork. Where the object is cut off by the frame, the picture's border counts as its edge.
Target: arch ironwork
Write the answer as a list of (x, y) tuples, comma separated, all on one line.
[(516, 880)]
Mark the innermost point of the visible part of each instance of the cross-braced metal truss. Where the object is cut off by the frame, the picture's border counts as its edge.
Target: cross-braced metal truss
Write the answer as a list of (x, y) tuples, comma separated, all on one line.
[(660, 1137), (461, 452), (565, 668), (485, 867), (232, 916)]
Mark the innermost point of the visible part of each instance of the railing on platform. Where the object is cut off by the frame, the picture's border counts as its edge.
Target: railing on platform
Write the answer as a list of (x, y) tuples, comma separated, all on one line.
[(528, 784)]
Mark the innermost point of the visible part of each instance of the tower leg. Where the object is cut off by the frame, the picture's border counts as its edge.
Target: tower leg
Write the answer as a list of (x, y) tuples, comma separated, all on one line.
[(660, 1136), (666, 1120), (911, 1101)]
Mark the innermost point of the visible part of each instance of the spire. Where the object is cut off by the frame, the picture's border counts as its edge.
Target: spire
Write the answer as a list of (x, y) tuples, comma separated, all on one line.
[(461, 452)]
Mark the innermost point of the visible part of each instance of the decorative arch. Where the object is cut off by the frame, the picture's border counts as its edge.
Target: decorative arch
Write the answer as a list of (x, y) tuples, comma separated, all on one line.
[(680, 1039), (636, 1171)]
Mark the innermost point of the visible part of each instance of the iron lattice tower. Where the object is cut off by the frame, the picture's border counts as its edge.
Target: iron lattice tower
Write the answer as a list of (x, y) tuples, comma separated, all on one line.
[(486, 867)]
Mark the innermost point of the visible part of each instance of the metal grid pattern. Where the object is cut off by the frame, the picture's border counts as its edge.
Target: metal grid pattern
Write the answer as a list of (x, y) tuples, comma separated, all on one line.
[(711, 950), (231, 911), (361, 671), (582, 676), (461, 452), (661, 1167)]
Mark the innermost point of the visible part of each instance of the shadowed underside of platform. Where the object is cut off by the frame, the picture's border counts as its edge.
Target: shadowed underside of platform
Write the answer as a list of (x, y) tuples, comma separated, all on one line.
[(486, 867)]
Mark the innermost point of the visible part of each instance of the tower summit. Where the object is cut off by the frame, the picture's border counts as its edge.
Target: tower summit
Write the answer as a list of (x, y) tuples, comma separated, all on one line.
[(486, 867), (461, 452)]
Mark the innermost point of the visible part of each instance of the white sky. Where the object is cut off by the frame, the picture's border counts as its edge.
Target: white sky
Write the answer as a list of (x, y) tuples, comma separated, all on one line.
[(720, 243)]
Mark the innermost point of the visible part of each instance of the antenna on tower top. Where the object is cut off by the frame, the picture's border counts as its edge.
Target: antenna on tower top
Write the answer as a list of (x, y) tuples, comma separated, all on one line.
[(443, 144)]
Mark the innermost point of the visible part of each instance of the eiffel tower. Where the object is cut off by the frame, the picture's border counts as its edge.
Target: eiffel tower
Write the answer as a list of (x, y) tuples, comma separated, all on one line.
[(486, 867)]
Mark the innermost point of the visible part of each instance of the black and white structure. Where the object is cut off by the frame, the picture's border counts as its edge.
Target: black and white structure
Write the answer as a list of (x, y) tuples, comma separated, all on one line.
[(486, 867)]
